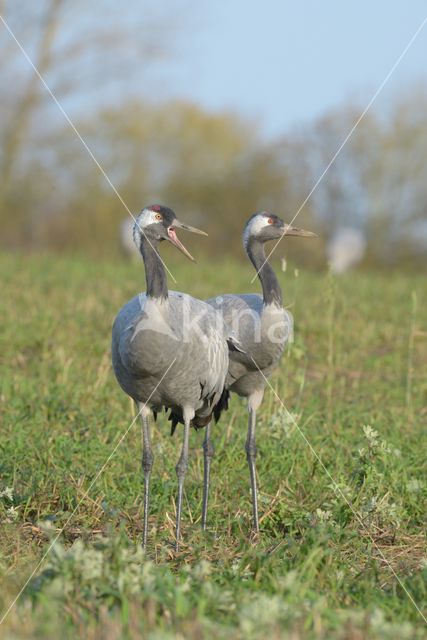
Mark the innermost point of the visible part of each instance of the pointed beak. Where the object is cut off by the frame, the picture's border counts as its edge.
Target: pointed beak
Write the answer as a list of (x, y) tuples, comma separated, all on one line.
[(186, 227), (173, 238), (295, 231)]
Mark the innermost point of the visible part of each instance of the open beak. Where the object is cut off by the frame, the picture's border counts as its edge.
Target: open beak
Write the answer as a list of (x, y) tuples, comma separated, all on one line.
[(295, 231), (181, 225), (173, 238)]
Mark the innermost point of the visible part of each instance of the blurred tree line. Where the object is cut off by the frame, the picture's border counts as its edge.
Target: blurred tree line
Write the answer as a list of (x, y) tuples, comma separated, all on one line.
[(213, 168)]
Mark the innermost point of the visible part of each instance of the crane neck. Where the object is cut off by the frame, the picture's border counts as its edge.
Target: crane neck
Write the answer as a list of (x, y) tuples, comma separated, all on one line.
[(155, 275), (271, 291)]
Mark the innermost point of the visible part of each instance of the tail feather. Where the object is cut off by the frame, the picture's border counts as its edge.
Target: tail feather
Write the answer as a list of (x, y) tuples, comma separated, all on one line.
[(221, 405), (198, 422), (174, 419)]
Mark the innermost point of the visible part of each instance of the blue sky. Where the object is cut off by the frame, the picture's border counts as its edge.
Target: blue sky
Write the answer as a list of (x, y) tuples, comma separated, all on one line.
[(284, 63)]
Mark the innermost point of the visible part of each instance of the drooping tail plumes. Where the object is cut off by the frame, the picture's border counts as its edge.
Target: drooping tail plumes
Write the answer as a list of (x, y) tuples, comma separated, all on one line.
[(222, 404), (199, 422)]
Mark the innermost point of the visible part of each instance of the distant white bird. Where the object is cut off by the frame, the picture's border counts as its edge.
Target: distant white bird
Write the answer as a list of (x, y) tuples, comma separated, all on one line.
[(127, 245), (346, 249)]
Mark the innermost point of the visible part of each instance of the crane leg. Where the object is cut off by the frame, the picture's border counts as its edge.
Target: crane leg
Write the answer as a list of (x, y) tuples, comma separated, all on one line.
[(208, 453), (181, 470), (254, 401), (147, 465)]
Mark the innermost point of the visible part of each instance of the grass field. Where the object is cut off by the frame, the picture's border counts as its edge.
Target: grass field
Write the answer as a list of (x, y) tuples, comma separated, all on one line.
[(342, 550)]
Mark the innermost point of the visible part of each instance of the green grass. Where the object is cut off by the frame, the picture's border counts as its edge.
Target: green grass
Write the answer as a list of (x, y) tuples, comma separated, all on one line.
[(336, 559)]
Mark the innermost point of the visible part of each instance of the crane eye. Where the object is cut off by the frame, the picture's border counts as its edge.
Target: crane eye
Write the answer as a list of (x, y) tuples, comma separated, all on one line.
[(270, 221), (159, 216)]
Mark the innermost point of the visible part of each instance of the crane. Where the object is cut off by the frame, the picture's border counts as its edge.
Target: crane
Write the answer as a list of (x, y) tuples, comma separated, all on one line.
[(169, 350), (346, 249), (126, 243), (262, 328)]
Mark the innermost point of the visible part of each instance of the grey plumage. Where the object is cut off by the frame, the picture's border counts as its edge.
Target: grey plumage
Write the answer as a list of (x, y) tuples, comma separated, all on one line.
[(262, 327), (148, 335), (169, 350)]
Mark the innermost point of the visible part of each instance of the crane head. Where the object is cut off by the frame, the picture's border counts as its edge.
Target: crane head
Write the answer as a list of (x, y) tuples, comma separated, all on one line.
[(265, 226), (156, 223)]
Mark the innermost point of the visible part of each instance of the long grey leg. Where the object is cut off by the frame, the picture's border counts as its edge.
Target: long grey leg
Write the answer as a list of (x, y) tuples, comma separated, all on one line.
[(251, 457), (181, 470), (251, 451), (147, 465), (208, 453)]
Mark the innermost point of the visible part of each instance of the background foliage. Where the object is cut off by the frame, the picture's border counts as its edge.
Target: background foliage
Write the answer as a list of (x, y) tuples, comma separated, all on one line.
[(215, 167)]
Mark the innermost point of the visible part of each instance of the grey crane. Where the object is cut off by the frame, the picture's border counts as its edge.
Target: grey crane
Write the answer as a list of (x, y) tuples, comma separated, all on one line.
[(169, 350), (262, 327)]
